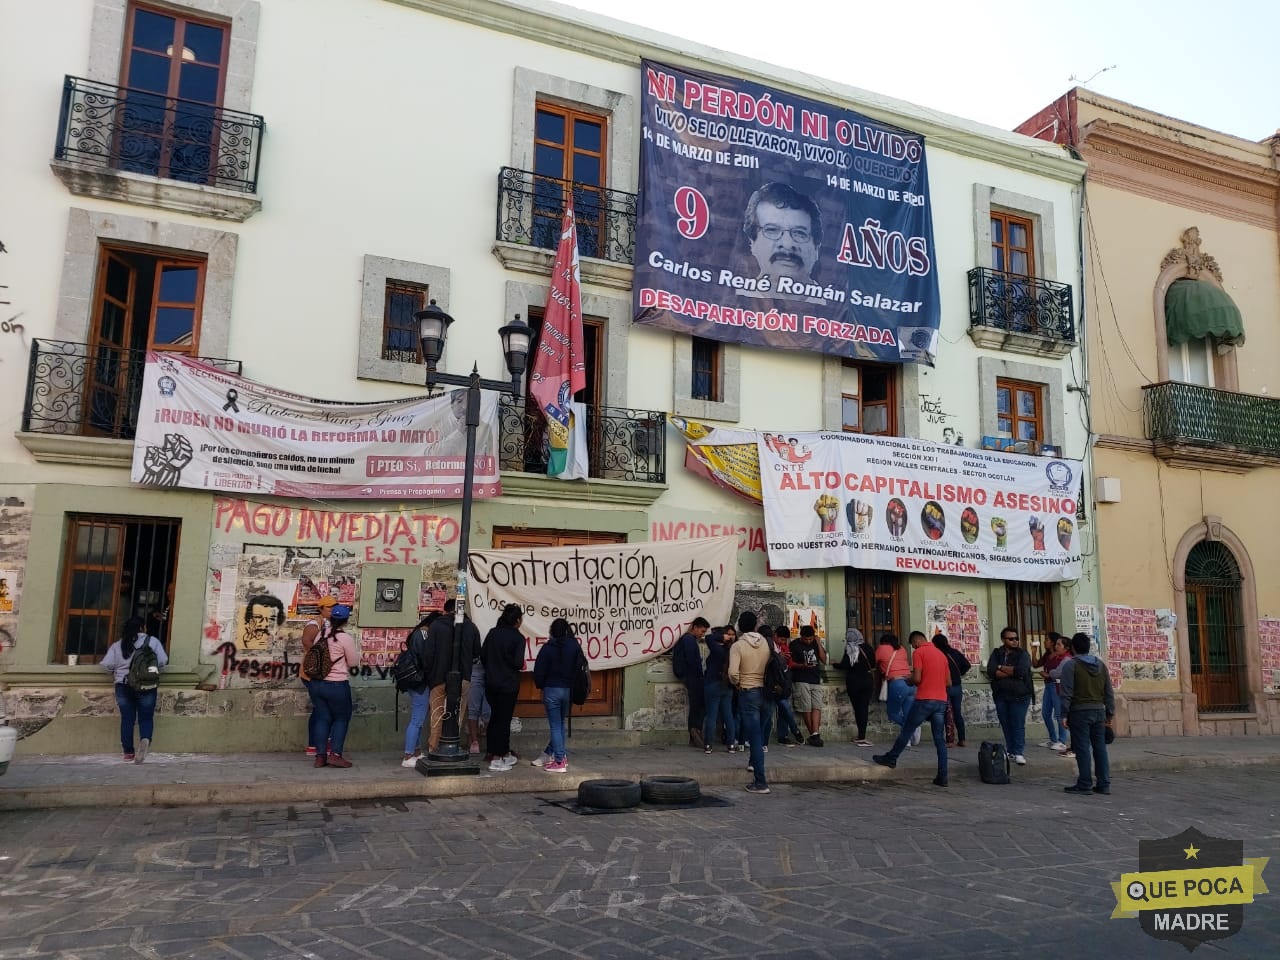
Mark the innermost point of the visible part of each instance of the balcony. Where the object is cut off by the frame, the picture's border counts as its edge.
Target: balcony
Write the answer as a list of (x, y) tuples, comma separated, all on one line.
[(82, 401), (1028, 315), (1199, 427), (530, 208), (139, 147), (625, 445)]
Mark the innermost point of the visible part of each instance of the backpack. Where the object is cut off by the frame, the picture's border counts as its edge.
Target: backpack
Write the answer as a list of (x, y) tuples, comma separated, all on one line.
[(144, 668), (677, 660), (580, 682), (407, 670), (993, 763), (318, 661), (777, 676)]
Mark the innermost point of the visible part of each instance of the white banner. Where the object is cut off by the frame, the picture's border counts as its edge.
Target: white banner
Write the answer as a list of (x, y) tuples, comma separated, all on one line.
[(626, 602), (892, 503), (204, 428)]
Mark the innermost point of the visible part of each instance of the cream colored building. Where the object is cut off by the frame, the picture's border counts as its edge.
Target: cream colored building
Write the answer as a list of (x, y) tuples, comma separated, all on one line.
[(363, 147), (1182, 289)]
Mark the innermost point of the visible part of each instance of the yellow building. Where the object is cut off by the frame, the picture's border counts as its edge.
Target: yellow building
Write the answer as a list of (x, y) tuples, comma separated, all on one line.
[(1182, 282)]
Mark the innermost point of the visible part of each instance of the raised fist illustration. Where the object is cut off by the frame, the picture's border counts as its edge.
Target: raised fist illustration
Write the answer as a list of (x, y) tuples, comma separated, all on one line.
[(163, 465)]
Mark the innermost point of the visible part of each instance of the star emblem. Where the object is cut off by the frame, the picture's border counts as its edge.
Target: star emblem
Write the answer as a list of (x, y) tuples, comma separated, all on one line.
[(1191, 852)]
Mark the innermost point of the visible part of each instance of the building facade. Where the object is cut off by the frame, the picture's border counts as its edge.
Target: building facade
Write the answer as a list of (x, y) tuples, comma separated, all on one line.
[(1182, 284), (278, 187)]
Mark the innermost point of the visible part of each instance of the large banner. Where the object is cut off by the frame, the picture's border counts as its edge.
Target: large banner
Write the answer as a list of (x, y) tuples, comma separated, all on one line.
[(723, 455), (626, 602), (891, 503), (204, 428), (771, 219)]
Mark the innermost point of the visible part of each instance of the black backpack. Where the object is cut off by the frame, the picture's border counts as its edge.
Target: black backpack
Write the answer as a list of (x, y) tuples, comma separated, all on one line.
[(777, 676), (407, 670), (144, 667), (580, 683), (993, 763)]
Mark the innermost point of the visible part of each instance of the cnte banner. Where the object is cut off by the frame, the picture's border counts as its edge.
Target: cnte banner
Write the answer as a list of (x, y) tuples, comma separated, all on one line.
[(627, 602), (204, 428), (892, 503)]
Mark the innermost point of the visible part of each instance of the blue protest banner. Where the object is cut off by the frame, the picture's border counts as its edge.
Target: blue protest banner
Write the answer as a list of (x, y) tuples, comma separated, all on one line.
[(771, 219)]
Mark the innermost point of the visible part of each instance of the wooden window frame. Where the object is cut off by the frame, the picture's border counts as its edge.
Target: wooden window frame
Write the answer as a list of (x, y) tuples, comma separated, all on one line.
[(159, 261), (570, 115), (866, 602), (421, 293), (1014, 416), (181, 18), (714, 371), (1006, 247), (1017, 610), (890, 403)]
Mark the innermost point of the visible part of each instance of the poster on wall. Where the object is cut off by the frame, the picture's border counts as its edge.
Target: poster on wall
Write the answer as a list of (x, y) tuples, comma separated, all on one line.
[(893, 503), (203, 428), (1141, 643), (8, 589), (626, 602), (1269, 653), (960, 623), (771, 219)]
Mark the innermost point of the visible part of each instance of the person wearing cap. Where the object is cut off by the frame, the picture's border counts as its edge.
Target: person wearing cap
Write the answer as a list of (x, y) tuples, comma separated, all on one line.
[(317, 626), (332, 695)]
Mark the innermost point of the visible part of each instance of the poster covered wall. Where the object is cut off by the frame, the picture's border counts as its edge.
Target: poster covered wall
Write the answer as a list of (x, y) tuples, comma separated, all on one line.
[(892, 503), (771, 219), (626, 602), (203, 428)]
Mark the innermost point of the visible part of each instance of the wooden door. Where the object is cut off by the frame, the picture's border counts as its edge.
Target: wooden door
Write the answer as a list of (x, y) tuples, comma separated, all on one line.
[(106, 380), (605, 699), (872, 602), (1213, 639)]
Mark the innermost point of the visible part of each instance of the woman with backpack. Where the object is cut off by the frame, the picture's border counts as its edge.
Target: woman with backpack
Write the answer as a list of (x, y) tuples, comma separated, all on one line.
[(959, 665), (503, 658), (135, 661), (333, 692), (553, 674), (317, 626), (859, 663)]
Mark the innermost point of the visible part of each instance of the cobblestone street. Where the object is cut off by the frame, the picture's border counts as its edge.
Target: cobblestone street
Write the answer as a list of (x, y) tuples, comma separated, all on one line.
[(876, 870)]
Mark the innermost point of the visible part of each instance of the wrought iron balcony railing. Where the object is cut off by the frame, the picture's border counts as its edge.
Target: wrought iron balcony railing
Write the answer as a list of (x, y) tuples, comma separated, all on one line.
[(1185, 414), (530, 207), (621, 444), (1018, 304), (105, 127), (88, 390)]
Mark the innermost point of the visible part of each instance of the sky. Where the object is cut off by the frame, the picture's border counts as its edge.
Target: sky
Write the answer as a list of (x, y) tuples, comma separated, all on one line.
[(1000, 61)]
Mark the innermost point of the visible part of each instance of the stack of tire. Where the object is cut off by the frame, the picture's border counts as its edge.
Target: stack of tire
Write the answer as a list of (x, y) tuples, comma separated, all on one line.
[(624, 794)]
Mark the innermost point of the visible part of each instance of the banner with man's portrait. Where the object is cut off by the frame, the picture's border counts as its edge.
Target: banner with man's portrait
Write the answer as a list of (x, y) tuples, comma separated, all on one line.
[(771, 219)]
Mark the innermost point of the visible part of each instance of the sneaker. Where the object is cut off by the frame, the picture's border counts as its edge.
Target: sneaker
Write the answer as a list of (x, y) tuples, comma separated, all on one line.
[(750, 768), (1105, 791), (707, 750), (1047, 743), (765, 748), (1068, 754), (915, 738), (410, 763), (556, 766), (883, 760), (511, 758), (311, 751), (757, 788), (939, 781), (143, 746), (500, 766), (863, 743), (338, 760), (1060, 747), (741, 747), (541, 761), (128, 758), (1076, 788), (784, 741), (321, 760), (1019, 759), (815, 741)]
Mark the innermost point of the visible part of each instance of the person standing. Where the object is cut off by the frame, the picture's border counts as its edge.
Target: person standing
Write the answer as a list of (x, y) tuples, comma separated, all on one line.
[(859, 664), (718, 694), (686, 663), (419, 696), (930, 672), (1009, 668), (747, 659), (553, 675), (437, 664), (503, 659), (891, 661), (479, 710), (1050, 706), (1089, 704), (809, 656), (959, 665), (316, 627), (136, 706), (788, 728), (333, 693)]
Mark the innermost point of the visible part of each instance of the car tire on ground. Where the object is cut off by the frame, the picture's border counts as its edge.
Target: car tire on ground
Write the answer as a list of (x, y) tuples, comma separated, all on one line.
[(670, 790), (609, 794)]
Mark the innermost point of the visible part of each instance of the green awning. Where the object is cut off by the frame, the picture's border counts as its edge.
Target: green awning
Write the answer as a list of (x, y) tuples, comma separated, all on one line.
[(1195, 309)]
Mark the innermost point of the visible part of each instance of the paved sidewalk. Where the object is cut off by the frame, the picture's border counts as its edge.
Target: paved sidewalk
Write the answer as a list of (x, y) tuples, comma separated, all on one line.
[(41, 782)]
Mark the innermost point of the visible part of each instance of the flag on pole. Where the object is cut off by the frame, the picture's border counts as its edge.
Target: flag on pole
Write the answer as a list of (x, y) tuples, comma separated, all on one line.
[(559, 370)]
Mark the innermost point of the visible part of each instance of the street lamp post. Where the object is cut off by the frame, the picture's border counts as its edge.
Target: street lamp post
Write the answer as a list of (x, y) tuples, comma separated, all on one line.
[(449, 757)]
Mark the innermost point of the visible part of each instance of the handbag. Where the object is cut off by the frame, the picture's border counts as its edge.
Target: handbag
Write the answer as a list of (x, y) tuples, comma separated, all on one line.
[(884, 686)]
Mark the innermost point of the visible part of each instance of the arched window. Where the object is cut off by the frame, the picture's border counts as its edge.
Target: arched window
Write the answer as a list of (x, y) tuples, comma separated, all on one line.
[(1215, 627)]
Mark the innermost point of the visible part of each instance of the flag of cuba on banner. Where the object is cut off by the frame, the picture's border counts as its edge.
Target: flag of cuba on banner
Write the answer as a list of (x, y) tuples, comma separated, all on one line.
[(771, 219)]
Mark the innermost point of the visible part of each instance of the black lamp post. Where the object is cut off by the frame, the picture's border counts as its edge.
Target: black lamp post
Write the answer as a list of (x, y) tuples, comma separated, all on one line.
[(449, 757)]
